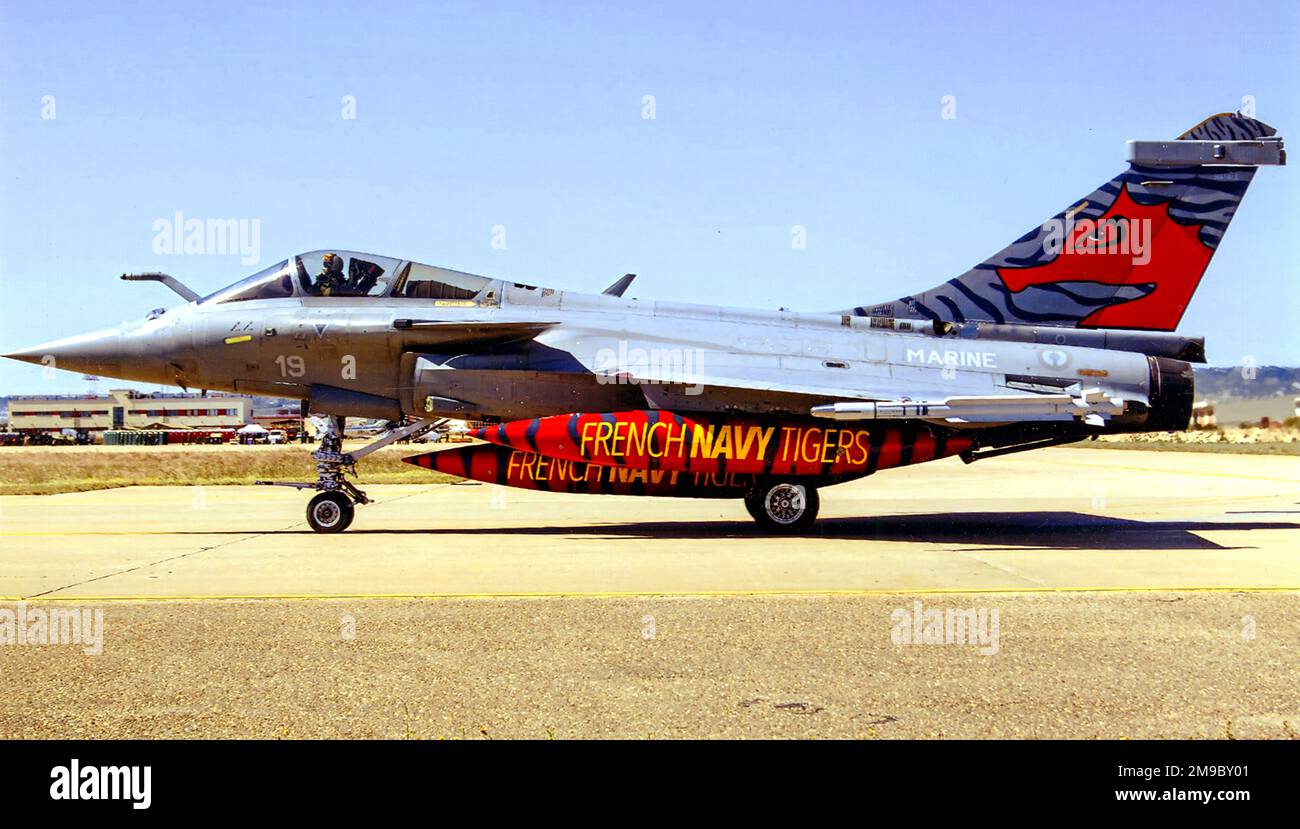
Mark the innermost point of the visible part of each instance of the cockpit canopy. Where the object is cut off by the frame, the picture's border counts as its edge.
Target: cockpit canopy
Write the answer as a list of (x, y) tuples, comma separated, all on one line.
[(342, 273)]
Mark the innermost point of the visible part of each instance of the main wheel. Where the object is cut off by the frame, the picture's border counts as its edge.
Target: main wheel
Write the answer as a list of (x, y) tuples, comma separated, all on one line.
[(330, 512), (783, 506)]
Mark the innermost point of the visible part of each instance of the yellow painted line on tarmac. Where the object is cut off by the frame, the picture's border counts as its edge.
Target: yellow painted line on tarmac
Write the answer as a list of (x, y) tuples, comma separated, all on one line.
[(651, 594), (43, 533), (40, 533)]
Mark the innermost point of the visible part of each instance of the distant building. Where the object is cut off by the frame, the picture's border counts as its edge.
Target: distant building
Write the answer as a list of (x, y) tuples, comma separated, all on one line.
[(276, 417), (124, 409), (282, 416), (1203, 414)]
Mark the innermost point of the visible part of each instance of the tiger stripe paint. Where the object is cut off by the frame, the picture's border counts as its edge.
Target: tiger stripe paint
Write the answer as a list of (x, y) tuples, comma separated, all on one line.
[(662, 453), (1186, 209), (711, 444), (523, 469)]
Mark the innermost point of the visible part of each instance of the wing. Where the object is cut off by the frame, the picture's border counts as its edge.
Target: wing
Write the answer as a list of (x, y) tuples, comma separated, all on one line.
[(842, 390), (769, 383)]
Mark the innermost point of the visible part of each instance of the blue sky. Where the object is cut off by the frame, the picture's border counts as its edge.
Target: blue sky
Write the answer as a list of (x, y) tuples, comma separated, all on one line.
[(529, 116)]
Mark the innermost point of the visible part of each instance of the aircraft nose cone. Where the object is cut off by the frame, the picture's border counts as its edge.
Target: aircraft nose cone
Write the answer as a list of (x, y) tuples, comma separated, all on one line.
[(96, 352)]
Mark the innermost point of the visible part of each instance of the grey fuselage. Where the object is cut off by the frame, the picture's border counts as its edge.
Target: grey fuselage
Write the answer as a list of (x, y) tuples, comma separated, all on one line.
[(517, 351)]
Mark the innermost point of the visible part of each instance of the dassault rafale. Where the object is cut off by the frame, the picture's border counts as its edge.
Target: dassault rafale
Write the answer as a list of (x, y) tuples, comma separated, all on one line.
[(1063, 335)]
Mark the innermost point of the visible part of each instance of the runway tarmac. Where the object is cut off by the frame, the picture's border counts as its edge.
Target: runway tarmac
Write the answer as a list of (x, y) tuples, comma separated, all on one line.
[(1062, 519), (1140, 593)]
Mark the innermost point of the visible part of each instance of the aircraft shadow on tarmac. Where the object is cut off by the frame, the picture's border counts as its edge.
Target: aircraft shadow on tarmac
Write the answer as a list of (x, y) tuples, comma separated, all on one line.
[(1016, 530)]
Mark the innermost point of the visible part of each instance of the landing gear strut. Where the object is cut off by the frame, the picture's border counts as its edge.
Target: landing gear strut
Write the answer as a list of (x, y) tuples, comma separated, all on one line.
[(332, 509), (783, 506)]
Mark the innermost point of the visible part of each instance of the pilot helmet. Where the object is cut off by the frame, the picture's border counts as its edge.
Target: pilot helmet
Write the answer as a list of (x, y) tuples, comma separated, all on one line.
[(332, 262)]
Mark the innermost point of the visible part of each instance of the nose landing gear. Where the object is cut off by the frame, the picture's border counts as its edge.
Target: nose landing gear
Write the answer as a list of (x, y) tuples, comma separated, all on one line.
[(332, 509), (330, 512)]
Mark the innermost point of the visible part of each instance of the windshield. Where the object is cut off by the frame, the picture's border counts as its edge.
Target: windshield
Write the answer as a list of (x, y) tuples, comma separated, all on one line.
[(343, 273), (274, 282), (332, 273)]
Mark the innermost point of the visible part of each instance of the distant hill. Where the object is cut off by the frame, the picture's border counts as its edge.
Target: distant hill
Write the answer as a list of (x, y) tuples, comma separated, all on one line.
[(1242, 396), (1237, 383)]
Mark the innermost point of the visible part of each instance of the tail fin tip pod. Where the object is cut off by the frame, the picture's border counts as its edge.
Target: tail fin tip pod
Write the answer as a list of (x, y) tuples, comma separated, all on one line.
[(1128, 255)]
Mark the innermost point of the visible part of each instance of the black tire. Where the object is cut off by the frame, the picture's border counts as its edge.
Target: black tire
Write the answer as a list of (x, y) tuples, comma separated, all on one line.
[(782, 507), (330, 512)]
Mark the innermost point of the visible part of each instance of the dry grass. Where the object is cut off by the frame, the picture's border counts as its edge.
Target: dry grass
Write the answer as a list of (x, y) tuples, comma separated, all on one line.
[(48, 470), (1259, 448), (1234, 440)]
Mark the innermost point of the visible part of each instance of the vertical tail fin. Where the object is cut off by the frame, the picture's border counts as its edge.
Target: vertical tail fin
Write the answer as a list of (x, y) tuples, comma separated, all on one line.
[(1128, 255)]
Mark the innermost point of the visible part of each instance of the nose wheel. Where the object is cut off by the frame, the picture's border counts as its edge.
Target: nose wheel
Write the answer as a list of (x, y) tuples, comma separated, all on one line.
[(782, 507), (330, 512), (332, 509)]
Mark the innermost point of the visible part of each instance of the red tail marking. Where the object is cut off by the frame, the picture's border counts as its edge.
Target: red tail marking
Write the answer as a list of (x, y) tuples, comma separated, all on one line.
[(1177, 261)]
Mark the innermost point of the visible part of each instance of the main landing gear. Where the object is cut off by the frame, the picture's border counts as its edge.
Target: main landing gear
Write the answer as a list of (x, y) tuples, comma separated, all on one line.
[(331, 510), (783, 506)]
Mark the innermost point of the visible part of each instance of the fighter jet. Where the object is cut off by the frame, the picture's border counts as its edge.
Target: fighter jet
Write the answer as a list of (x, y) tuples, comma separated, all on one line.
[(1065, 334)]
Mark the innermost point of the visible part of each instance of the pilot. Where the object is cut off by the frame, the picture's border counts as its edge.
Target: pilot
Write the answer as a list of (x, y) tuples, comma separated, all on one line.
[(330, 280)]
